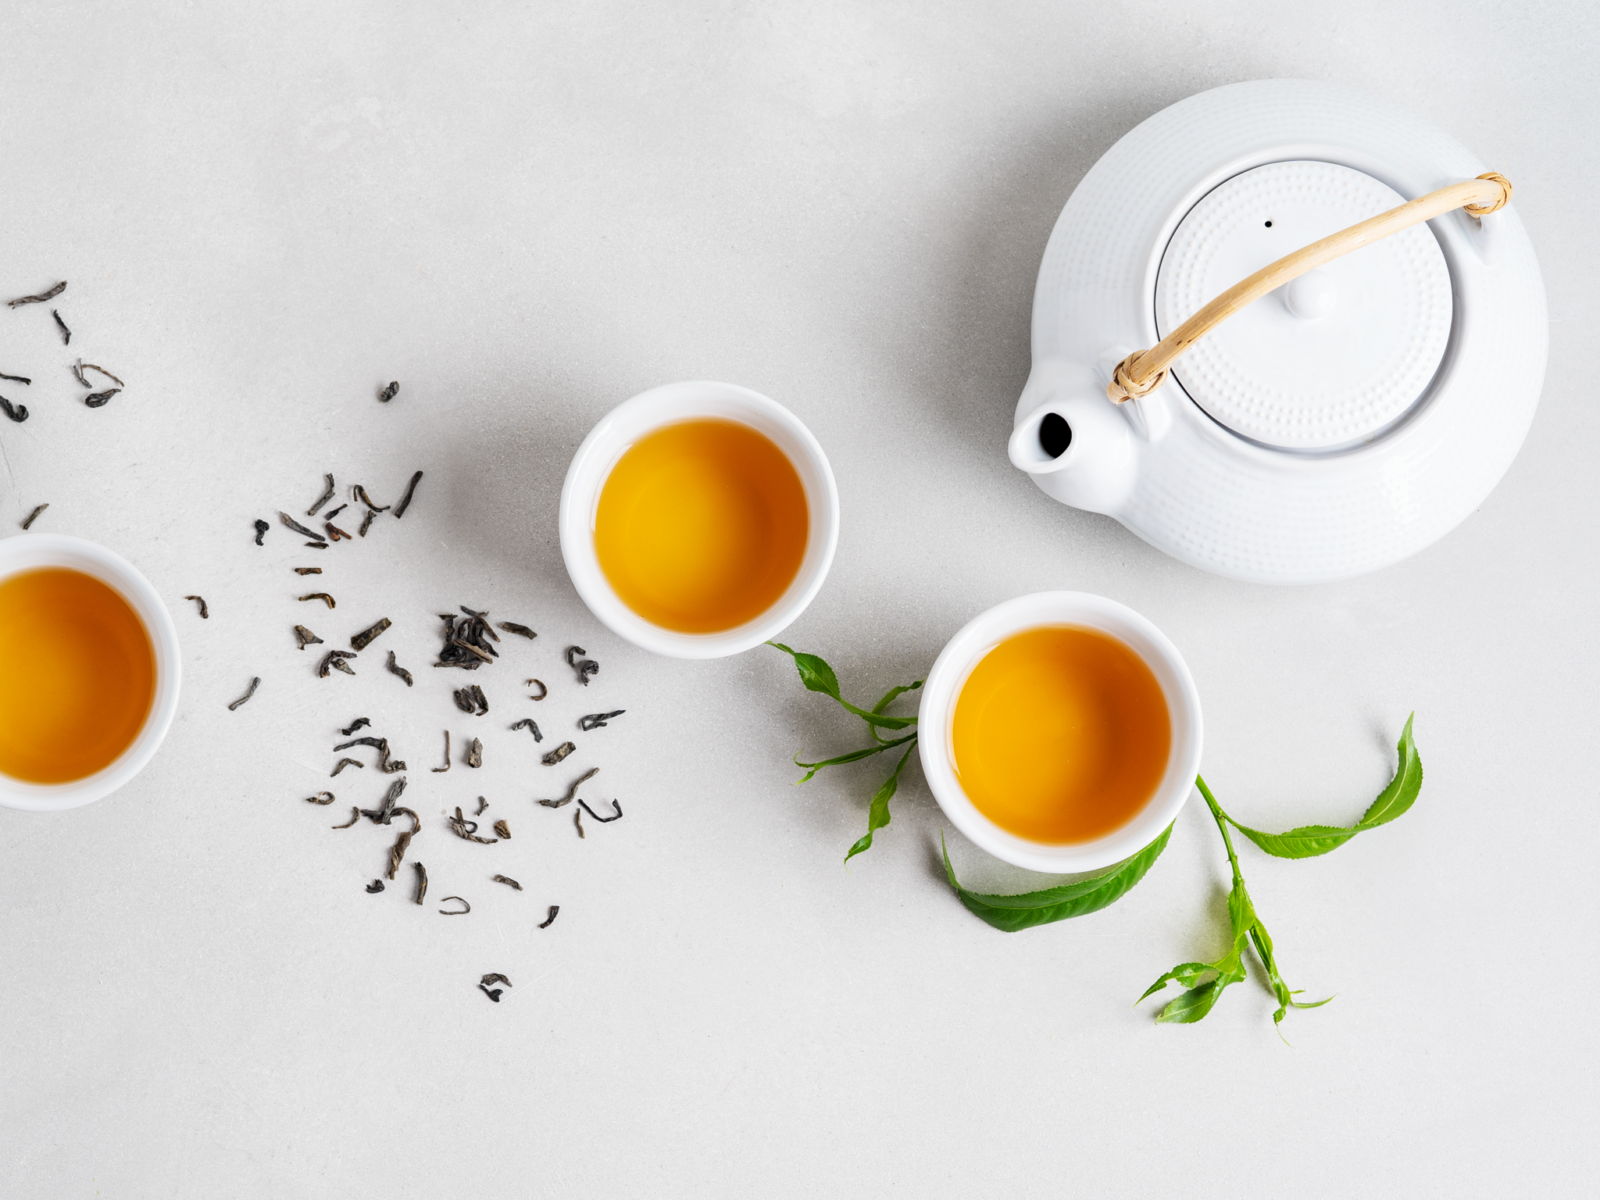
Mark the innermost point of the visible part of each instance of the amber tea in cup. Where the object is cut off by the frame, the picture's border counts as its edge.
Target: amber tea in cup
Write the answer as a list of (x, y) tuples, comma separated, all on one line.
[(701, 525), (1060, 734), (77, 675)]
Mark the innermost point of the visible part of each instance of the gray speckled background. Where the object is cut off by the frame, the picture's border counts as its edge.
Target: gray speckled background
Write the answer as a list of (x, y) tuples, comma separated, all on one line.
[(528, 213)]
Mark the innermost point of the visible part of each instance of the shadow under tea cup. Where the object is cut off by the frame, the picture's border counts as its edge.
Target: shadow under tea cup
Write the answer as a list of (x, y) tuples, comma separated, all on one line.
[(698, 519), (1060, 732), (89, 672)]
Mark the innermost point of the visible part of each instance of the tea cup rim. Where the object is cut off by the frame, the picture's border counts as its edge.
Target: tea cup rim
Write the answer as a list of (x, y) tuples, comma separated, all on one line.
[(666, 405), (1040, 610), (35, 551)]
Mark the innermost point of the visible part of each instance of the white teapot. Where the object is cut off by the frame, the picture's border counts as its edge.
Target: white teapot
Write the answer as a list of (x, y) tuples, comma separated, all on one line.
[(1359, 399)]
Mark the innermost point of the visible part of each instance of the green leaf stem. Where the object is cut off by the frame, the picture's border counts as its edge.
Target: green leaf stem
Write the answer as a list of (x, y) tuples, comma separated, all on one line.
[(878, 810)]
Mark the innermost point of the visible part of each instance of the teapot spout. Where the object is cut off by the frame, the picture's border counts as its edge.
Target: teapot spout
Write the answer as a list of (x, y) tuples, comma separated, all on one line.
[(1072, 440)]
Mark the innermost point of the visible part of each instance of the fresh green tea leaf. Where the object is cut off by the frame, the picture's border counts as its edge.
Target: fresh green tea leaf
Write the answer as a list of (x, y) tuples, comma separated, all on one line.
[(1308, 841), (1403, 789), (888, 698), (811, 768), (878, 810), (818, 676), (1011, 913), (1184, 975), (1194, 1004)]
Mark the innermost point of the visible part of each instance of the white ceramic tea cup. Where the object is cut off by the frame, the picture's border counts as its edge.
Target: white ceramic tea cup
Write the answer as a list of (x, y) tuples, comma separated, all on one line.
[(621, 428), (980, 635), (32, 551)]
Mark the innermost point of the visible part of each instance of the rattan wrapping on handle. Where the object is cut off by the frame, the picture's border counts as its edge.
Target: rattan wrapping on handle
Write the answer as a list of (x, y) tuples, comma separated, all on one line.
[(1145, 370)]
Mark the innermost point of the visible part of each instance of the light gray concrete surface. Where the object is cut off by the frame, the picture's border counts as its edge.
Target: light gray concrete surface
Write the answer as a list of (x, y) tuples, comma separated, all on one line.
[(527, 213)]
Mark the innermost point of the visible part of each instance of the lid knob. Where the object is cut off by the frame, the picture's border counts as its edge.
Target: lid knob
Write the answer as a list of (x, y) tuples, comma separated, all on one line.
[(1311, 295)]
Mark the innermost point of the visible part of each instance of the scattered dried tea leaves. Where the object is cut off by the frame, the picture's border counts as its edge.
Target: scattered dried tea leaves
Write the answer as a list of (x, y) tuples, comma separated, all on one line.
[(205, 613), (522, 630), (543, 691), (467, 640), (307, 638), (597, 720), (384, 813), (397, 853), (446, 766), (367, 636), (99, 399), (573, 790), (475, 754), (558, 754), (347, 762), (321, 798), (261, 531), (335, 660), (482, 804), (327, 494), (422, 881), (299, 528), (577, 819), (503, 830), (467, 830), (381, 745), (19, 379), (335, 532), (34, 515), (375, 886), (508, 881), (308, 570), (40, 298), (395, 668), (585, 667), (387, 394), (546, 923), (331, 602), (66, 334), (405, 501), (80, 367), (355, 815), (493, 993), (334, 512), (493, 979), (532, 726), (366, 523), (358, 723), (603, 820), (17, 412), (360, 493), (471, 700), (248, 692)]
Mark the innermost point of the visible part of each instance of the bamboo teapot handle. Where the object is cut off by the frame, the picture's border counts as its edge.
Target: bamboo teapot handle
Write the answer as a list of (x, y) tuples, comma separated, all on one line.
[(1143, 371)]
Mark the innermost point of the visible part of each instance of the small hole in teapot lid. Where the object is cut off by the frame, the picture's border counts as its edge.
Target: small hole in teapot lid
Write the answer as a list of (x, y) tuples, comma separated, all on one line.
[(1269, 224), (1055, 435)]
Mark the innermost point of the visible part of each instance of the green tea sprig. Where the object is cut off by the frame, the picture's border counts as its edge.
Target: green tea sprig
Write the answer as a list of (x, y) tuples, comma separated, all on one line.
[(818, 676), (1204, 982)]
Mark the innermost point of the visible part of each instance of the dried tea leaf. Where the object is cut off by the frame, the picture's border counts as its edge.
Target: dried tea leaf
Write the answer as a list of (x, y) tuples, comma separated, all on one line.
[(597, 720), (261, 531), (387, 394), (573, 790), (308, 570), (546, 923), (367, 636), (94, 399), (603, 820), (24, 379), (577, 819), (455, 912), (66, 334), (40, 298), (513, 627), (375, 886), (366, 522), (446, 766), (360, 493), (299, 528), (335, 659), (422, 881), (585, 667), (480, 700), (490, 979), (321, 798), (503, 830), (532, 726), (334, 512), (396, 669), (17, 412), (384, 813), (493, 993), (307, 638), (248, 692), (558, 754), (509, 882), (358, 723), (543, 691), (475, 754), (467, 830), (335, 532), (347, 762), (321, 596), (205, 613), (355, 815), (381, 745), (34, 515), (405, 501), (327, 495), (397, 853), (80, 367)]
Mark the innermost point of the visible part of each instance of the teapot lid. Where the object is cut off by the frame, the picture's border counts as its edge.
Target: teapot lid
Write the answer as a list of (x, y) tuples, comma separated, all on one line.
[(1333, 358)]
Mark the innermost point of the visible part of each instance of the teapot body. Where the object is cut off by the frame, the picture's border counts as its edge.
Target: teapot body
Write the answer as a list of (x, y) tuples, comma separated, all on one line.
[(1190, 485)]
